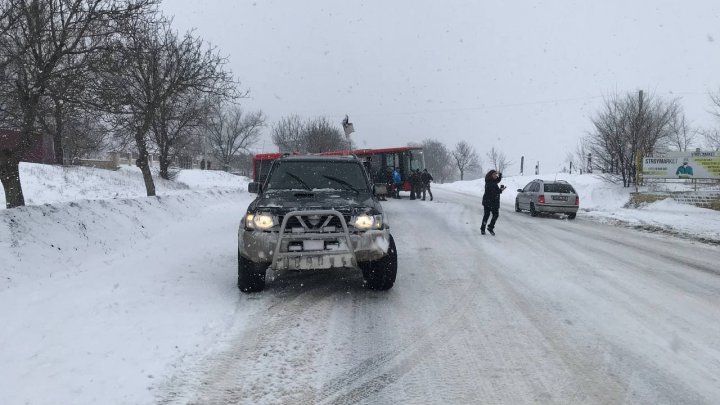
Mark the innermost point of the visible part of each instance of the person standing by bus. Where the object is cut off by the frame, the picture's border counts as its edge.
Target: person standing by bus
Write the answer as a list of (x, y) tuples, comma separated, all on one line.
[(491, 200), (397, 181), (414, 184), (426, 179)]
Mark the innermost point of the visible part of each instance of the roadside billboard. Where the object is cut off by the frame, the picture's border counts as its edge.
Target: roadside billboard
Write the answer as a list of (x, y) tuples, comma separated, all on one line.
[(682, 165)]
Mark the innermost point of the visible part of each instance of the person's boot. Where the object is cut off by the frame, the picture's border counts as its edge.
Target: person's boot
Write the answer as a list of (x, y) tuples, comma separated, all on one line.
[(492, 232), (482, 229)]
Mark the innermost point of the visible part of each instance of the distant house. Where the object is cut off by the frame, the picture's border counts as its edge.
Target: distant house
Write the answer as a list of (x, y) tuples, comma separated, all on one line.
[(42, 152)]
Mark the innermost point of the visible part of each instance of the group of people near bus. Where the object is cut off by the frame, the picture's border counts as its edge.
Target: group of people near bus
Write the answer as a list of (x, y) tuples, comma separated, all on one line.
[(419, 184)]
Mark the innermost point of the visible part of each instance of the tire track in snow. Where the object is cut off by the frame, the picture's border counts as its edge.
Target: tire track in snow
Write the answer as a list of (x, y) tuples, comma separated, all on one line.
[(297, 309)]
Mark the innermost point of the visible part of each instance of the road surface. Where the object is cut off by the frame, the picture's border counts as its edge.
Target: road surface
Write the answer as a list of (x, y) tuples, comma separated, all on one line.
[(547, 311)]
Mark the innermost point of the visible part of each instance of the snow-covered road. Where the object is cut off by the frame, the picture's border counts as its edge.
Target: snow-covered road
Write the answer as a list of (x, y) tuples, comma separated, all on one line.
[(548, 311)]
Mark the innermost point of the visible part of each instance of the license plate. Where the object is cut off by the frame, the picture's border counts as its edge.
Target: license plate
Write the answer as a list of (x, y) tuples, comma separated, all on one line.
[(559, 197), (313, 245)]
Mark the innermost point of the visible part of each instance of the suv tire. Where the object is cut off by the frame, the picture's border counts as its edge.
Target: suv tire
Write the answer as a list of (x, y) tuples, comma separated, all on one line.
[(251, 276), (533, 212), (380, 274), (517, 206), (572, 215)]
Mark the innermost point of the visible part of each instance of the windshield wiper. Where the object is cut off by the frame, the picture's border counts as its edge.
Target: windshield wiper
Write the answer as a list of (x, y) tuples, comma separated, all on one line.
[(299, 180), (347, 185)]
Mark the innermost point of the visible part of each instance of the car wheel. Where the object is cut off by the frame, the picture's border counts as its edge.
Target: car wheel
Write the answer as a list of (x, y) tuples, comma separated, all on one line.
[(380, 274), (533, 212), (251, 275), (517, 206), (572, 215)]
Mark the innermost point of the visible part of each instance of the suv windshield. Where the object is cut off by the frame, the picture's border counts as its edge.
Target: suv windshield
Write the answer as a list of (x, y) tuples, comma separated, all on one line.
[(558, 188), (317, 175)]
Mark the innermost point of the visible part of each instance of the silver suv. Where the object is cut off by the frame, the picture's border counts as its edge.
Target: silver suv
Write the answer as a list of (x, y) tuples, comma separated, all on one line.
[(553, 197), (315, 212)]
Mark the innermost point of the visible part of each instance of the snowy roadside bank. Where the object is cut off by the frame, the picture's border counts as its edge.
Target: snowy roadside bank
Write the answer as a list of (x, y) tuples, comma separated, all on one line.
[(102, 289), (47, 184), (91, 293)]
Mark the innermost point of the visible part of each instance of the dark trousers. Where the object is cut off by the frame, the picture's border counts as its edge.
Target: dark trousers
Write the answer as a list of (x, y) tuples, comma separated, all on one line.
[(495, 213), (427, 188)]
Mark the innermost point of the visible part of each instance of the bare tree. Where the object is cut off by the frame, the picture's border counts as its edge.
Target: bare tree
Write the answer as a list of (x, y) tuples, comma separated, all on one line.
[(498, 160), (176, 125), (69, 111), (438, 160), (580, 156), (231, 131), (465, 158), (712, 139), (37, 37), (288, 134), (81, 132), (712, 136), (155, 67), (681, 135), (626, 129), (715, 100), (320, 135)]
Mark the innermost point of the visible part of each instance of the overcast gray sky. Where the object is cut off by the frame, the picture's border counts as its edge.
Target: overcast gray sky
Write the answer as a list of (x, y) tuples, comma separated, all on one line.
[(523, 76)]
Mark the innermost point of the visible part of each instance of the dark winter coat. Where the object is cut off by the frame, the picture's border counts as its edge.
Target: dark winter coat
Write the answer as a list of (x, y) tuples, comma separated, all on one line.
[(491, 198), (426, 178), (415, 179)]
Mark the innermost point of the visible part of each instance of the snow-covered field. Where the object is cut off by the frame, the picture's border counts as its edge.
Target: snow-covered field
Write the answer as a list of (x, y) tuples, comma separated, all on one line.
[(105, 294)]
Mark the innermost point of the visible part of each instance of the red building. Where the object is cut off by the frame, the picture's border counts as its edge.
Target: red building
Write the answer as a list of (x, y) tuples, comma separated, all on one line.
[(42, 152)]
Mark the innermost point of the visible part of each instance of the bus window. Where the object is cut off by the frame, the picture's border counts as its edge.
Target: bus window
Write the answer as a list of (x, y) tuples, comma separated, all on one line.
[(417, 160)]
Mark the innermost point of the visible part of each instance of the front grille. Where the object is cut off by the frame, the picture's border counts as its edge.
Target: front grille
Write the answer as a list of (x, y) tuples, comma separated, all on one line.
[(314, 223)]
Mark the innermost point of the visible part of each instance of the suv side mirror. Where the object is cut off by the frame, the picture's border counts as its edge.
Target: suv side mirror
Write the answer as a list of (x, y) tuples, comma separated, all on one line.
[(254, 187), (520, 190)]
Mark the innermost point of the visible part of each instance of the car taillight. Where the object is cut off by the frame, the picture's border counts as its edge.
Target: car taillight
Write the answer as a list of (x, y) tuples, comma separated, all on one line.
[(541, 199), (577, 200)]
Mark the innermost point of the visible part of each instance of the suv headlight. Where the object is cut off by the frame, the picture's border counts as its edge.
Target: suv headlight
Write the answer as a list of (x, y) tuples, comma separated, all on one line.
[(260, 220), (365, 222)]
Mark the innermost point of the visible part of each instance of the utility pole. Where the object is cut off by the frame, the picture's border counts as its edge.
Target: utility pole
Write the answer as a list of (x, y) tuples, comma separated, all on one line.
[(522, 164), (641, 139)]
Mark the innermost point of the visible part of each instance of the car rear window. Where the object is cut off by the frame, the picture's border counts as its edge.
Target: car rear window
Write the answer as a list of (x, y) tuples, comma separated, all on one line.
[(558, 188)]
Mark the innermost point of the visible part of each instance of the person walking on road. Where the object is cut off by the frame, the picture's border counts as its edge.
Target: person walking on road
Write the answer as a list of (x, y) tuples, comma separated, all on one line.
[(491, 200), (426, 179)]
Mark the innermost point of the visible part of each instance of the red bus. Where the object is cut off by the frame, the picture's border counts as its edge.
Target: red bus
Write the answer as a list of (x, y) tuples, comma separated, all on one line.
[(382, 162)]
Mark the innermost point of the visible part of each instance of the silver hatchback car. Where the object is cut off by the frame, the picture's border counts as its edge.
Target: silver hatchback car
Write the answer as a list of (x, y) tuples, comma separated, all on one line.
[(556, 197)]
